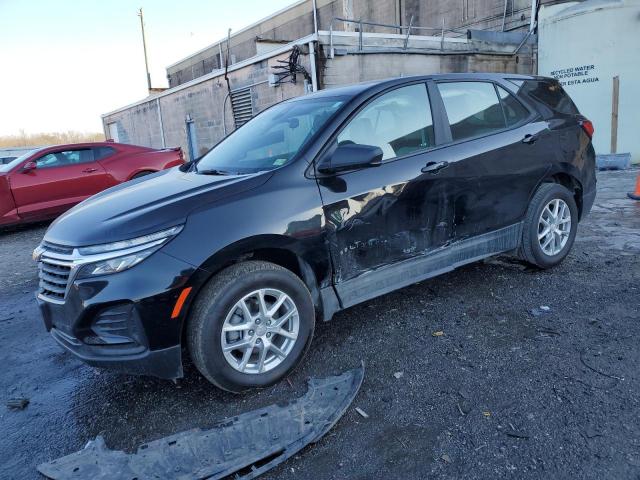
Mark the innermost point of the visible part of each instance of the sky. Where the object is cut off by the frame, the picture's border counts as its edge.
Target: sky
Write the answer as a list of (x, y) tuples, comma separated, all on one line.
[(63, 63)]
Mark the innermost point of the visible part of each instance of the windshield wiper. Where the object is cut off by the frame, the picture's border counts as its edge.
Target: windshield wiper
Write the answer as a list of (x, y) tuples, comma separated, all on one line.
[(213, 171)]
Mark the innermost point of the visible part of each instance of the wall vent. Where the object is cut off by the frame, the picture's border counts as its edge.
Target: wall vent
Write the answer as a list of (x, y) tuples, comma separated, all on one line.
[(242, 106)]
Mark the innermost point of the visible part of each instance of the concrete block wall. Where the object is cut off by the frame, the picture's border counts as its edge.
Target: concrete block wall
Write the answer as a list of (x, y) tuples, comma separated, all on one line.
[(343, 70), (472, 14), (138, 125)]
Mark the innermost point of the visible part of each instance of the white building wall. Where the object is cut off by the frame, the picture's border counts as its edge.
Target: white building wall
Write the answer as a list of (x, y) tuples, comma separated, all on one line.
[(584, 45)]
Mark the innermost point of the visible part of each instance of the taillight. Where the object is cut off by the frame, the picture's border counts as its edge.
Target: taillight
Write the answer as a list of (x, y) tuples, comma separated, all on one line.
[(587, 126)]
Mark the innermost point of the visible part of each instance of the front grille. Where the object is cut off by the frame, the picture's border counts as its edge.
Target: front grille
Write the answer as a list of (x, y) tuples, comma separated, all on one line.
[(55, 271), (55, 248)]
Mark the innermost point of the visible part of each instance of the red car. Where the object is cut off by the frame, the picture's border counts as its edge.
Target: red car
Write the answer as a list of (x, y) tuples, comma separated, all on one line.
[(46, 182)]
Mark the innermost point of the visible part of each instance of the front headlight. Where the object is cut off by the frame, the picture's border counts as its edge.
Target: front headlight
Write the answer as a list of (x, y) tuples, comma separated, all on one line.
[(119, 256), (155, 238), (114, 265)]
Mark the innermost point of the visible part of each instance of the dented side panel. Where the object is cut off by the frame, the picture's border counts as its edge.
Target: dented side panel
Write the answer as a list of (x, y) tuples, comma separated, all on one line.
[(380, 216)]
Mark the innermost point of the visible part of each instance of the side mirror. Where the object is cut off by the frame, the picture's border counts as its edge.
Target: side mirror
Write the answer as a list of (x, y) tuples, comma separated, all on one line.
[(27, 167), (351, 157)]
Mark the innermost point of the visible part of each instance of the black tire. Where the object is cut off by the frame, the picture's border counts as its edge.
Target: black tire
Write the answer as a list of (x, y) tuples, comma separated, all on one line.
[(142, 174), (530, 249), (217, 298)]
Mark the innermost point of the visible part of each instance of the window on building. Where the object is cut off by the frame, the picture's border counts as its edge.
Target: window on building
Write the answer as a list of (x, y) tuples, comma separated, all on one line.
[(514, 112), (468, 10), (473, 108), (113, 131), (399, 122), (66, 158)]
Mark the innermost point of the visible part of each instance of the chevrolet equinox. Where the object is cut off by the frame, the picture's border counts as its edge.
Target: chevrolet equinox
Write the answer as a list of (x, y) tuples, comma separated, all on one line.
[(317, 204)]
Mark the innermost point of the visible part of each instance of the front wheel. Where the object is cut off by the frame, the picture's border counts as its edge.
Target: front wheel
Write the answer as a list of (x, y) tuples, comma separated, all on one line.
[(251, 325), (550, 226)]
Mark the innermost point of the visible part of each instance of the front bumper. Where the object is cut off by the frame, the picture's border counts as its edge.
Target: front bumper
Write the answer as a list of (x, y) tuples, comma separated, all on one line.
[(123, 321)]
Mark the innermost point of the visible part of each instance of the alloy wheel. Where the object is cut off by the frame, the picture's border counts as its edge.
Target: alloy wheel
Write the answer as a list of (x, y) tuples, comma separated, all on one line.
[(554, 227), (260, 331)]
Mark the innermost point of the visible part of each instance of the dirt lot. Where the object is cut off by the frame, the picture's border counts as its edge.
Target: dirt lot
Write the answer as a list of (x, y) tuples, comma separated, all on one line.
[(509, 390)]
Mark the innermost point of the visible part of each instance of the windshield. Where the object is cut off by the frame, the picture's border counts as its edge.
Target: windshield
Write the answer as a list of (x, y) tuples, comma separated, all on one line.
[(271, 139), (17, 161)]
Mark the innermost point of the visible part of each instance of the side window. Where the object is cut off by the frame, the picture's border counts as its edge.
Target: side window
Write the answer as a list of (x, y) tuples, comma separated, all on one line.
[(399, 122), (473, 108), (102, 152), (514, 112), (66, 158)]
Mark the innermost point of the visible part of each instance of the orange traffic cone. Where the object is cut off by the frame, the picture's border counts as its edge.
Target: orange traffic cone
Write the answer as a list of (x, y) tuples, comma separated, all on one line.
[(635, 195)]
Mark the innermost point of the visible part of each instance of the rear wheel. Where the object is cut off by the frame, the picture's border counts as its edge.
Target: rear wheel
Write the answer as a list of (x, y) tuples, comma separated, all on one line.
[(550, 226), (250, 326)]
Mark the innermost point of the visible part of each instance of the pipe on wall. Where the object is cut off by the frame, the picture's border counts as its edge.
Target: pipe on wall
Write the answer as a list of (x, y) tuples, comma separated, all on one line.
[(312, 62), (164, 144)]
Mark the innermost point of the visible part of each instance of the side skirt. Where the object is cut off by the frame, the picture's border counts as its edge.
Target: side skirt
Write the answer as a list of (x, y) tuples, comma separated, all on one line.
[(386, 279)]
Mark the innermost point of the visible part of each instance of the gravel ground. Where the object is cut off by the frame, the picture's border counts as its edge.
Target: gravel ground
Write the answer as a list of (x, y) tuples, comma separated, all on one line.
[(507, 390)]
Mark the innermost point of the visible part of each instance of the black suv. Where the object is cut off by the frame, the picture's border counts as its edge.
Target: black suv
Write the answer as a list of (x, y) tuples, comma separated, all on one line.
[(317, 204)]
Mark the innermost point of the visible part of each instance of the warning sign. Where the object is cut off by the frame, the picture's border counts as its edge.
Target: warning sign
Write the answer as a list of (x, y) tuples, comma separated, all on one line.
[(576, 75)]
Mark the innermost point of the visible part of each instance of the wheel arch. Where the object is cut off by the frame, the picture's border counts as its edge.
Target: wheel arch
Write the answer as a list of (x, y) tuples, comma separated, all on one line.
[(281, 250), (567, 175)]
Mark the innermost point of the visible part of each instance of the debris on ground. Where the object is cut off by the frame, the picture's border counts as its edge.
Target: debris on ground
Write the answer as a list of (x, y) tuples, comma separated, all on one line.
[(398, 375), (512, 432), (463, 407), (362, 413), (244, 446), (17, 403), (541, 310), (595, 370)]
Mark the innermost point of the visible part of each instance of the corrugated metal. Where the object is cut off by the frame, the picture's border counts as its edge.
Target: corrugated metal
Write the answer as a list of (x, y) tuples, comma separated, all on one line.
[(242, 106)]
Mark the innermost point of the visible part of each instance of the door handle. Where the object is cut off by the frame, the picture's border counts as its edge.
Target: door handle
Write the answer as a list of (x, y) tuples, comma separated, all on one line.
[(529, 139), (434, 167), (89, 170)]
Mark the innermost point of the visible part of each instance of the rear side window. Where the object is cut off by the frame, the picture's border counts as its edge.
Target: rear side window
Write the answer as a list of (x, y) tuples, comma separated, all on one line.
[(399, 122), (551, 94), (102, 152), (514, 112), (473, 108)]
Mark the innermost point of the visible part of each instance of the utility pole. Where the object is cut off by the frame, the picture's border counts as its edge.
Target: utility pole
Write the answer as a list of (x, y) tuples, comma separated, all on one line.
[(144, 46)]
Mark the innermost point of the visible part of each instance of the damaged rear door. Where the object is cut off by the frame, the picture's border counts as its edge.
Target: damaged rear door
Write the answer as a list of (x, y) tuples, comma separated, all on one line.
[(387, 214), (499, 151)]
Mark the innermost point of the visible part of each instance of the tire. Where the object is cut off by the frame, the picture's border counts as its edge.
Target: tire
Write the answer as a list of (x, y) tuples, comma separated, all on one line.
[(531, 248), (142, 174), (217, 306)]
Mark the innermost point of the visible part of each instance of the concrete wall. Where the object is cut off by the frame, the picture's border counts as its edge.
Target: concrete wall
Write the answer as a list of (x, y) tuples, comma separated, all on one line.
[(138, 125), (348, 69), (474, 14), (297, 21), (587, 63)]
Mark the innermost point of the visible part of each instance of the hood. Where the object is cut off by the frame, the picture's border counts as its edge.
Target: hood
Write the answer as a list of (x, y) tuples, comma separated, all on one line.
[(144, 206)]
